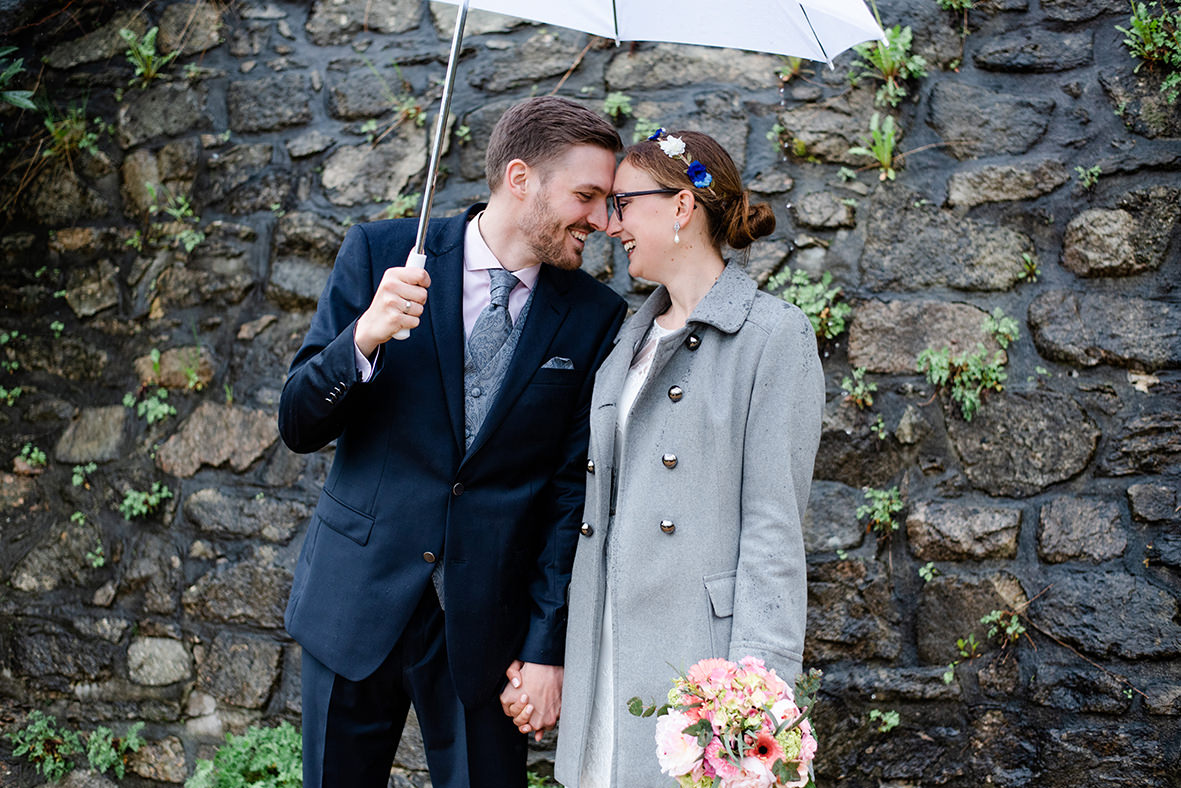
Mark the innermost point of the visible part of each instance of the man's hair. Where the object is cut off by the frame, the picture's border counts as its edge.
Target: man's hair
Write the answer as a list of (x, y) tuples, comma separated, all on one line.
[(540, 129)]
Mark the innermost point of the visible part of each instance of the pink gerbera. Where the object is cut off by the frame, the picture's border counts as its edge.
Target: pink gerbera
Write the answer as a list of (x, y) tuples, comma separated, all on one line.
[(766, 749)]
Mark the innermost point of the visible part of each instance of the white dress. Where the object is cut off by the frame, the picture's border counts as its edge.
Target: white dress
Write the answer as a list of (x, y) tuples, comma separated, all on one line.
[(598, 759)]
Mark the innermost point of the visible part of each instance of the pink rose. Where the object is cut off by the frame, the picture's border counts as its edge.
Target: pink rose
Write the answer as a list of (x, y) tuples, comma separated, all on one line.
[(676, 751)]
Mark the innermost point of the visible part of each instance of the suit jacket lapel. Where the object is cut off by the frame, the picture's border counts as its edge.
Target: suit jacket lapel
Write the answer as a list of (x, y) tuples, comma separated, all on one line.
[(444, 248), (548, 310)]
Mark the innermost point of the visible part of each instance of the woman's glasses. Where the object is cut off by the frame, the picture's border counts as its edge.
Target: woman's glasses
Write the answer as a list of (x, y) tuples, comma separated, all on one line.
[(617, 202)]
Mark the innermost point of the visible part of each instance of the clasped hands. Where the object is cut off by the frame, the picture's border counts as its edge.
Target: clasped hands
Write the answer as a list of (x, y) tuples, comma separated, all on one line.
[(533, 696)]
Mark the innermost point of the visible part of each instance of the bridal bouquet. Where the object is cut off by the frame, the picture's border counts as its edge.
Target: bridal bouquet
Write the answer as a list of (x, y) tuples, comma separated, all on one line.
[(735, 726)]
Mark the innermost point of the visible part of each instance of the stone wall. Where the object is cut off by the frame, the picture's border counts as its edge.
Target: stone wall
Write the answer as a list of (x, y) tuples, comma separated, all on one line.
[(281, 123)]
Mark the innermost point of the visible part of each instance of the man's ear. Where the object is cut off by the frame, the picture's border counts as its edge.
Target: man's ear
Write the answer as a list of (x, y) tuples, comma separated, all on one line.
[(517, 178)]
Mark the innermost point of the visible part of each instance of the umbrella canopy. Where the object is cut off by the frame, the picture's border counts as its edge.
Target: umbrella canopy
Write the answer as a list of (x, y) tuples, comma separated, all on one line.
[(814, 29)]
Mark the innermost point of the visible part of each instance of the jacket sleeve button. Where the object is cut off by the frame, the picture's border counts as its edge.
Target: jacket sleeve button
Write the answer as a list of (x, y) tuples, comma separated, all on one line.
[(457, 488), (668, 526), (590, 466), (429, 557), (586, 529), (675, 393), (669, 460)]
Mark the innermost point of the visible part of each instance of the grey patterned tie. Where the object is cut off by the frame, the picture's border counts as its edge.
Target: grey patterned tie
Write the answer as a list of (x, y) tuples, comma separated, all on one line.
[(494, 324)]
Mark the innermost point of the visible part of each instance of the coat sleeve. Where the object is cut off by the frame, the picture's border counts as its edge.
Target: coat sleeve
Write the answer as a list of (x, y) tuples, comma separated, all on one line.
[(560, 509), (782, 435), (313, 407)]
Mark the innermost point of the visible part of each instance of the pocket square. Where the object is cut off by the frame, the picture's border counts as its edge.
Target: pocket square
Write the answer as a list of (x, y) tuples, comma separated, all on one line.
[(557, 362)]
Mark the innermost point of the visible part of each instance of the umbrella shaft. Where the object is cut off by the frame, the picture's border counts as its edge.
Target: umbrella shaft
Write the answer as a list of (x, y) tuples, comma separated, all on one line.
[(428, 192)]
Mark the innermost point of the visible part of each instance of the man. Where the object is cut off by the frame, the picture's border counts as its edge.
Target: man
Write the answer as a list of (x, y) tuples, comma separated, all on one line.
[(442, 543)]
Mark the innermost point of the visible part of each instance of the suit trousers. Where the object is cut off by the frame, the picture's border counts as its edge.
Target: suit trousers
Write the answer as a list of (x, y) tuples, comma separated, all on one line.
[(351, 729)]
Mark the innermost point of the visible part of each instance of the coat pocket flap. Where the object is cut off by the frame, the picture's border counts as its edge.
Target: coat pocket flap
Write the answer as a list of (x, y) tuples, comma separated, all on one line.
[(344, 519), (720, 588)]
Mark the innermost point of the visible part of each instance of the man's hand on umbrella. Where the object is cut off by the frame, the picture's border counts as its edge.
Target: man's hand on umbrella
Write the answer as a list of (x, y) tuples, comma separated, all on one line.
[(398, 304)]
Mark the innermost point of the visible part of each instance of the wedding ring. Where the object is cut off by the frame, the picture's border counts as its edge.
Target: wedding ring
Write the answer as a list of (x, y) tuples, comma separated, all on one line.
[(405, 306)]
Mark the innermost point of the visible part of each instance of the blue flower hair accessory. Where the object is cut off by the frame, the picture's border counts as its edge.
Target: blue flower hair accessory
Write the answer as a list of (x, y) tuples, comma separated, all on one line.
[(674, 148)]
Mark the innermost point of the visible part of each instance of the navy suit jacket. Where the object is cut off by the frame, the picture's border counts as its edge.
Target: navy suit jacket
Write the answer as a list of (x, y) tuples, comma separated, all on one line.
[(503, 515)]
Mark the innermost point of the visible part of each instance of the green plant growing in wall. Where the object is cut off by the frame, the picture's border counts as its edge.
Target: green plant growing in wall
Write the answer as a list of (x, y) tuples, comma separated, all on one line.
[(153, 407), (1005, 330), (137, 503), (1088, 176), (618, 107), (36, 458), (929, 571), (968, 375), (879, 510), (891, 62), (1004, 626), (10, 396), (968, 649), (880, 144), (886, 720), (141, 53), (463, 134), (818, 300), (8, 72), (80, 472), (878, 428), (789, 67), (403, 205), (857, 389), (1030, 270), (70, 133), (48, 748), (644, 129), (264, 757), (178, 208), (107, 752), (1155, 38)]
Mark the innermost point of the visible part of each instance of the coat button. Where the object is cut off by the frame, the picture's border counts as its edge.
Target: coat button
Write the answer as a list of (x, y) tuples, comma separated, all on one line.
[(590, 466), (586, 529), (693, 342), (429, 557), (668, 526), (675, 393), (457, 488), (669, 460)]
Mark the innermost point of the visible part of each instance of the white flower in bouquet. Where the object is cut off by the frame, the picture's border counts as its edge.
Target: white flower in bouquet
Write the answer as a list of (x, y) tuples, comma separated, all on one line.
[(676, 751)]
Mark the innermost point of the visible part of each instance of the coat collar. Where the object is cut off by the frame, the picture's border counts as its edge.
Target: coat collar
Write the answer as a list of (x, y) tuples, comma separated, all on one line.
[(725, 306)]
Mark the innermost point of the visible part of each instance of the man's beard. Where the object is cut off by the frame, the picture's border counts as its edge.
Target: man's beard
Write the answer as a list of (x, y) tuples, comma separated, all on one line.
[(546, 237)]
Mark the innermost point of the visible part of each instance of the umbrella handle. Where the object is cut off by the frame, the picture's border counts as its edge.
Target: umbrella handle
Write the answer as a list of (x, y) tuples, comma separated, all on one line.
[(413, 260)]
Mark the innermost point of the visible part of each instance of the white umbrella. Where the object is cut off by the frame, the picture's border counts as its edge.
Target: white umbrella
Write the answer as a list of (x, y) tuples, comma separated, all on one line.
[(813, 29)]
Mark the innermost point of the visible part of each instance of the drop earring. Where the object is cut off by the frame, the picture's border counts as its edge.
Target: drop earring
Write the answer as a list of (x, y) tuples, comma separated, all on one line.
[(676, 232)]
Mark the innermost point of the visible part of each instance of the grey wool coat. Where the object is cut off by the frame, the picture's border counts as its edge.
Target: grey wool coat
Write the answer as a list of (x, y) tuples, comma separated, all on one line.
[(703, 547)]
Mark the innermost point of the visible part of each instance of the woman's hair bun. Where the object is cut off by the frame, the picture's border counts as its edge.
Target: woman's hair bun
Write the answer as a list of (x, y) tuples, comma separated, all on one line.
[(746, 223)]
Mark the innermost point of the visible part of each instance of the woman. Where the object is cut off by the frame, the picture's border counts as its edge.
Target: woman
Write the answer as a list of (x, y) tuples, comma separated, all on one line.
[(705, 421)]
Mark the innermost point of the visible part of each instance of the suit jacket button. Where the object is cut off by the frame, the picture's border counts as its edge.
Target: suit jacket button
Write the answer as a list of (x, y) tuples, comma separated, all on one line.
[(457, 488), (590, 466), (669, 460), (668, 526), (429, 557), (693, 342), (586, 529), (675, 393)]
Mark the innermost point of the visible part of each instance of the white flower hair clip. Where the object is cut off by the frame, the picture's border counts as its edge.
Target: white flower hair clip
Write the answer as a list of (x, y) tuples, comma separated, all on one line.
[(674, 148)]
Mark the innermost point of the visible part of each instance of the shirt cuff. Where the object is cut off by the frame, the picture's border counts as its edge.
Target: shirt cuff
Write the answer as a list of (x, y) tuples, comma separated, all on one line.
[(364, 368)]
